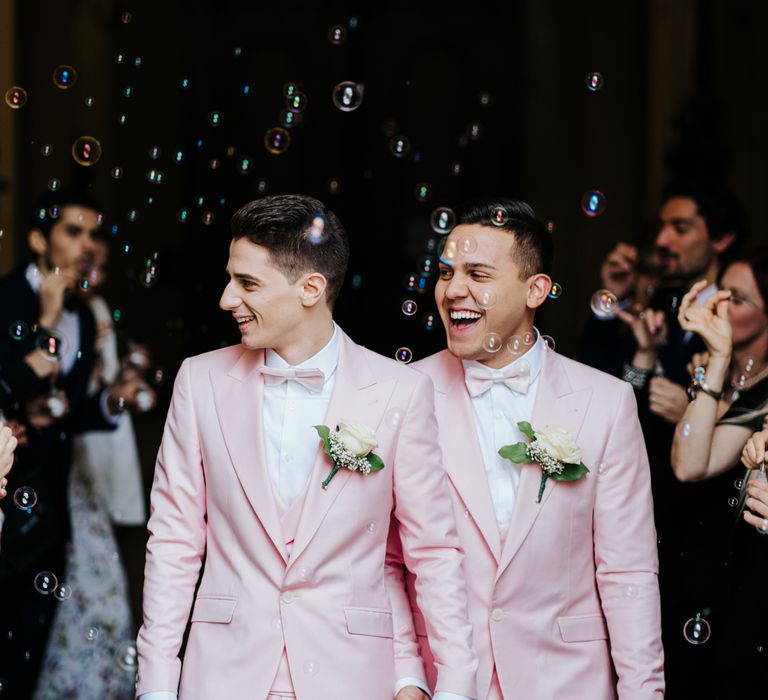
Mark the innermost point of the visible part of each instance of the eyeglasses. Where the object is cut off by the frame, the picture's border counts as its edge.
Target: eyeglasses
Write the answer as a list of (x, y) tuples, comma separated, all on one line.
[(739, 301)]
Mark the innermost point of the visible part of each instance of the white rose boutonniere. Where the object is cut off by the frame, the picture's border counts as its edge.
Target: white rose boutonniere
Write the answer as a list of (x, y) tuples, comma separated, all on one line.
[(350, 446), (553, 449)]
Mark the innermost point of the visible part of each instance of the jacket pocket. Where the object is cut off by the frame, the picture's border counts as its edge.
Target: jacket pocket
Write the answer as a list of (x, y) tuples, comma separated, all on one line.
[(582, 628), (211, 608), (419, 624), (369, 621)]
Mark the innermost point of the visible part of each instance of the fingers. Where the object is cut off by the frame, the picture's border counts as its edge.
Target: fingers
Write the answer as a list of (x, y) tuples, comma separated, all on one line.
[(760, 523), (654, 321), (754, 451)]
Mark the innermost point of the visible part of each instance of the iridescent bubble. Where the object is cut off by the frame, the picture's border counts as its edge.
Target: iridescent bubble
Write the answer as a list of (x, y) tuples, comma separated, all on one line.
[(128, 91), (178, 157), (16, 97), (125, 18), (333, 186), (594, 81), (215, 118), (245, 89), (213, 163), (92, 634), (399, 146), (515, 345), (117, 172), (443, 220), (499, 216), (18, 330), (604, 304), (133, 215), (492, 342), (86, 150), (122, 119), (593, 203), (337, 34), (244, 165), (46, 150), (549, 341), (185, 83), (486, 299), (394, 416), (297, 102), (423, 191), (555, 290), (62, 592), (466, 246), (154, 152), (484, 99), (456, 168), (684, 429), (45, 582), (150, 273), (51, 344), (289, 89), (474, 131), (89, 102), (126, 656), (733, 501), (348, 96), (429, 322), (316, 232), (426, 265), (409, 307), (84, 285), (410, 282), (64, 77), (290, 119), (207, 218), (158, 377), (277, 140), (448, 251), (25, 498), (551, 227), (404, 355), (183, 215), (738, 484), (697, 630), (119, 58), (155, 177), (528, 339), (238, 51), (54, 211), (117, 315)]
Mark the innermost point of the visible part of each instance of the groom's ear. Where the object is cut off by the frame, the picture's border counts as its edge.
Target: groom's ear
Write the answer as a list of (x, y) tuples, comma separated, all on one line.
[(313, 288), (538, 288)]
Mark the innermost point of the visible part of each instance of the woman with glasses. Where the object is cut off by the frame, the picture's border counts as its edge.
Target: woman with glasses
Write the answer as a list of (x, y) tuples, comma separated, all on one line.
[(724, 564)]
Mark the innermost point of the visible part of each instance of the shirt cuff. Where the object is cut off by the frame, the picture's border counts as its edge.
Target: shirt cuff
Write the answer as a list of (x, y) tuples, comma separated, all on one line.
[(158, 695), (115, 420), (404, 682)]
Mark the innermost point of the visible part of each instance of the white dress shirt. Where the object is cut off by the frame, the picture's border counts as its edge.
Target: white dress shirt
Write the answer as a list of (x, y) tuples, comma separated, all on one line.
[(497, 412), (290, 411)]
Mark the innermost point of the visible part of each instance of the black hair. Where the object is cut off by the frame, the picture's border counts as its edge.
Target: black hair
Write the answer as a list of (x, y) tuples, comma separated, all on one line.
[(48, 207)]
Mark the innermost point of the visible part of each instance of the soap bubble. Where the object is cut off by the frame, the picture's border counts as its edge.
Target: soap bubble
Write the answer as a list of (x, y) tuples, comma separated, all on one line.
[(16, 97), (604, 304), (348, 96), (62, 592), (492, 342), (18, 330), (423, 191), (594, 81), (697, 630), (499, 216), (593, 203), (127, 657), (486, 299), (443, 220), (25, 498), (409, 307), (429, 322), (337, 34), (399, 146), (277, 140), (64, 77), (290, 119), (45, 582), (404, 355), (297, 102), (86, 150), (555, 291)]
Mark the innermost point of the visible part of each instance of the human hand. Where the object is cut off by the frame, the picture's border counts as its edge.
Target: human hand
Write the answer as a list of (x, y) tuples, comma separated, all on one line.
[(754, 451), (53, 289), (667, 399), (130, 392), (617, 272), (412, 692), (47, 408), (708, 320), (7, 445), (649, 328), (757, 502), (699, 359), (138, 357)]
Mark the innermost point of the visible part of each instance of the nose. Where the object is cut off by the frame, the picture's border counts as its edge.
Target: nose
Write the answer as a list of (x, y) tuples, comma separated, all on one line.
[(664, 236), (229, 299), (456, 288)]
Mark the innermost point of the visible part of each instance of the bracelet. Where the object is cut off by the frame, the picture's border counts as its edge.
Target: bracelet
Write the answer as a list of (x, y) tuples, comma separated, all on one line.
[(699, 383), (635, 376)]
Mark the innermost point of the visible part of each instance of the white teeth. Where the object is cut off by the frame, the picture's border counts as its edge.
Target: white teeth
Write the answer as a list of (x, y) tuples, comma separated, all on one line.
[(456, 315), (241, 321)]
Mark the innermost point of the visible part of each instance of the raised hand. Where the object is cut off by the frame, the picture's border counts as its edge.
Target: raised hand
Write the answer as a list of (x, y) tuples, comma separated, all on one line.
[(53, 289), (617, 272), (708, 320), (649, 328), (754, 451)]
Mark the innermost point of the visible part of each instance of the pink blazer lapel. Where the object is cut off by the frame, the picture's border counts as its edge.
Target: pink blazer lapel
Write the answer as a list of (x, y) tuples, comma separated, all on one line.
[(556, 405), (239, 397), (356, 396), (461, 450)]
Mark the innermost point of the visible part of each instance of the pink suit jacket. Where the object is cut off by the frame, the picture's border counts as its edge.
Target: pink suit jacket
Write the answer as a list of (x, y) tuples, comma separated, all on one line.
[(571, 601), (345, 616)]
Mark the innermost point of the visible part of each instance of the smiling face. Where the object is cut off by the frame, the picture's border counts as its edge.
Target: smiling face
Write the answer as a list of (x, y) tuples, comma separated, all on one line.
[(480, 292), (269, 309), (746, 311)]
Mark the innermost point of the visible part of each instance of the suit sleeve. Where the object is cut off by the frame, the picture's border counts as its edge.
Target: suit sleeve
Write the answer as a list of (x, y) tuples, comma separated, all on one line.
[(430, 543), (177, 533), (626, 557)]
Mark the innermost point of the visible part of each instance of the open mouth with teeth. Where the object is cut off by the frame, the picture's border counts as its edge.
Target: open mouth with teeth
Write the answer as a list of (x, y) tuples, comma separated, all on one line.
[(464, 318), (244, 321)]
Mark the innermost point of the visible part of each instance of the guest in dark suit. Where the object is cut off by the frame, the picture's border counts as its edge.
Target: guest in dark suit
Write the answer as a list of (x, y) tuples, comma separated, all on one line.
[(47, 354)]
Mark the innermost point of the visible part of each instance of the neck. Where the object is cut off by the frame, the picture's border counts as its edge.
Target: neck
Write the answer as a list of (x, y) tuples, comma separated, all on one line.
[(755, 349), (709, 274), (503, 357), (311, 338)]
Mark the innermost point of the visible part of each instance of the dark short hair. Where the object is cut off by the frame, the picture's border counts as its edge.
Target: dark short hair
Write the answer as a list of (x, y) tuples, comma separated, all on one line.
[(533, 249), (717, 205), (286, 225), (65, 197)]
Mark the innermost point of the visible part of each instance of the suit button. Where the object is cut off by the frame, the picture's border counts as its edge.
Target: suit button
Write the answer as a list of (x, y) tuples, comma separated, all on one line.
[(286, 596), (497, 615)]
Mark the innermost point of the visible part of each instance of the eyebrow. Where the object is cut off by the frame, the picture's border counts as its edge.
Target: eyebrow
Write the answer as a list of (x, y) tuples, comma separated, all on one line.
[(470, 265), (680, 220), (246, 277)]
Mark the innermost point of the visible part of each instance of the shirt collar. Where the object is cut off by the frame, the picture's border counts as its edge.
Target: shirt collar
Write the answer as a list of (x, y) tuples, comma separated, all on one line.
[(534, 357), (325, 360)]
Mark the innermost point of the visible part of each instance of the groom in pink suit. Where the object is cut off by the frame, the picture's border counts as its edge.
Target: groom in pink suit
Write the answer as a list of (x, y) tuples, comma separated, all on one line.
[(279, 558), (563, 592)]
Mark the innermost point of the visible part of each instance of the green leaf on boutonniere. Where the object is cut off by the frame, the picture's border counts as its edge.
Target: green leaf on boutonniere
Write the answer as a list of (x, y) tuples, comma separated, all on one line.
[(517, 453), (376, 462), (571, 472), (325, 433), (526, 429)]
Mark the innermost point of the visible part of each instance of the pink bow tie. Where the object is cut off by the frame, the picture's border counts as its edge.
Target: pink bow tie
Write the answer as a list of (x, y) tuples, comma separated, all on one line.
[(480, 379), (310, 377)]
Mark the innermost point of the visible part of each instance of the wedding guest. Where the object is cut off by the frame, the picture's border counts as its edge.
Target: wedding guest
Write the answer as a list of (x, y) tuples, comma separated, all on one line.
[(7, 446)]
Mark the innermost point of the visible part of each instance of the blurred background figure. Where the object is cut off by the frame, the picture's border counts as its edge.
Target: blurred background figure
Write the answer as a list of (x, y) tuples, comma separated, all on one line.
[(105, 487), (723, 558)]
